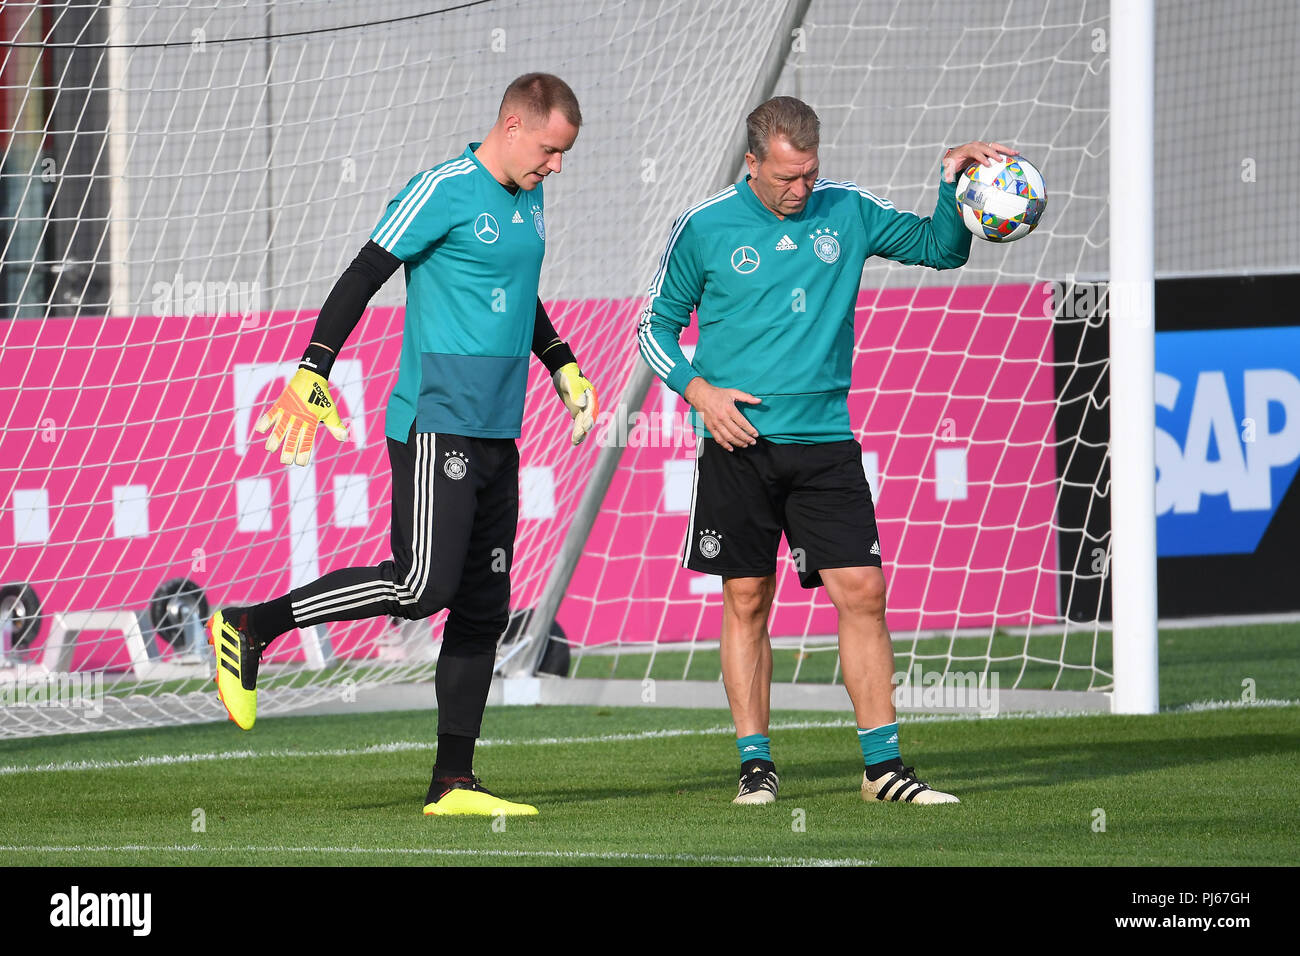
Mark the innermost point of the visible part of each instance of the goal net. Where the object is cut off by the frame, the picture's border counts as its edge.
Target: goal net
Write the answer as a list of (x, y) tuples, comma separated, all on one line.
[(183, 182), (971, 392)]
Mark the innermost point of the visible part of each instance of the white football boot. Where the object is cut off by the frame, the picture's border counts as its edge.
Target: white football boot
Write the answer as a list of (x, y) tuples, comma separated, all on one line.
[(902, 786)]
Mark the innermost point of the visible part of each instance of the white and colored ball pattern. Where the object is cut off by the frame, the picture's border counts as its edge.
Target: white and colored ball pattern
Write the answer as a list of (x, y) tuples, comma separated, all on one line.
[(1002, 201)]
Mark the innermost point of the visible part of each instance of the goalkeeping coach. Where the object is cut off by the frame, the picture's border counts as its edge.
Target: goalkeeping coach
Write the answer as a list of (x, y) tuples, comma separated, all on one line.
[(771, 265)]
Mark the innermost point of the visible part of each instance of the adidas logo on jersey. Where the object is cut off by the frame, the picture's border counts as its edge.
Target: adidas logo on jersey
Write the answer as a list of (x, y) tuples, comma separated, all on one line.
[(516, 217), (875, 548), (318, 397), (786, 244)]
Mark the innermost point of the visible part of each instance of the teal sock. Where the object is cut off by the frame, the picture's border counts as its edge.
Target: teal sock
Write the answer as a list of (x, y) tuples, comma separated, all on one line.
[(879, 744), (754, 747)]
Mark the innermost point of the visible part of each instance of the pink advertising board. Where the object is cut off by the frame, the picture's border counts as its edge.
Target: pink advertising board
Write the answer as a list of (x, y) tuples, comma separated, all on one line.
[(953, 404), (128, 459)]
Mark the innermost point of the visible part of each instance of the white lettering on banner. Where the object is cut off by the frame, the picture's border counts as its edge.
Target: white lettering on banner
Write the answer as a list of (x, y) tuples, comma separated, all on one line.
[(1242, 471)]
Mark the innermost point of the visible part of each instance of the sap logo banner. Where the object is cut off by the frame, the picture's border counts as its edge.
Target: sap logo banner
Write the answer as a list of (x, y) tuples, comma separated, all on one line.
[(1227, 436)]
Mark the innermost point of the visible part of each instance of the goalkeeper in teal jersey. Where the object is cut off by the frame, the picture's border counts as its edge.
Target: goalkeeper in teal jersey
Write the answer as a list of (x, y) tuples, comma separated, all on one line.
[(771, 265), (470, 235)]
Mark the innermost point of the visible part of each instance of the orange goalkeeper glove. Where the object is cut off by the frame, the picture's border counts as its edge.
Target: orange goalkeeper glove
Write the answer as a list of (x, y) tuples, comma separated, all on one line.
[(304, 403), (579, 397)]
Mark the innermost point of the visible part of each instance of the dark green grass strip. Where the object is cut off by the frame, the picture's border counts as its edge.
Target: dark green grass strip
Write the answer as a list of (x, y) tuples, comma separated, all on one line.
[(1189, 788)]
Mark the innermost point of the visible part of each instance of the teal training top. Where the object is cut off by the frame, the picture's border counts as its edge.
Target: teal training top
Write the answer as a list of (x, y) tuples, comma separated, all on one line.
[(775, 298), (473, 254)]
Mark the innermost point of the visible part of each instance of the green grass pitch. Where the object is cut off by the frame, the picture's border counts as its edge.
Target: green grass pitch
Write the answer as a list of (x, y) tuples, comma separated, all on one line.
[(653, 786)]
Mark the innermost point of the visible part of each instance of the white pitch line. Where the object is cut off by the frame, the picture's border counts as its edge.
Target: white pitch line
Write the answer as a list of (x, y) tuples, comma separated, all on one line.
[(1204, 705), (401, 746), (397, 746), (443, 851)]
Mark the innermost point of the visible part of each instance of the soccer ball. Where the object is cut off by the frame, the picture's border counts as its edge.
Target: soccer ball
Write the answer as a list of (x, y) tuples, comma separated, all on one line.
[(1002, 201)]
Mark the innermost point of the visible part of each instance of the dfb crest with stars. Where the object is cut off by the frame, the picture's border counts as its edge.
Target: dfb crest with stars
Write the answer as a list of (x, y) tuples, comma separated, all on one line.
[(455, 465), (825, 244)]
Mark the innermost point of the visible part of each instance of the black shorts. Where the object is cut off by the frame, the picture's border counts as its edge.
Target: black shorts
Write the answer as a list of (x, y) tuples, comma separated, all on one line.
[(455, 512), (744, 499)]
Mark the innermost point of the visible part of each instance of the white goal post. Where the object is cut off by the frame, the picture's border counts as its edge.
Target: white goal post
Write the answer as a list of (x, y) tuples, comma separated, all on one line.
[(1133, 357)]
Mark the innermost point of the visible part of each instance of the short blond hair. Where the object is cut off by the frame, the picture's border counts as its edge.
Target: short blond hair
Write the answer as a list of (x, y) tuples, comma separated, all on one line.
[(782, 117), (537, 95)]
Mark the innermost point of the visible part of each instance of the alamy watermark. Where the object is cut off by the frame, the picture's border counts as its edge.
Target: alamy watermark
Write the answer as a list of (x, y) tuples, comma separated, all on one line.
[(82, 691), (193, 298), (645, 430), (77, 908), (1077, 299), (919, 689)]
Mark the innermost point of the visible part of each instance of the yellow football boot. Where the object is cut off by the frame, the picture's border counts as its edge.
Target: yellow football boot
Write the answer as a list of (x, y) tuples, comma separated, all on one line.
[(237, 660), (465, 796)]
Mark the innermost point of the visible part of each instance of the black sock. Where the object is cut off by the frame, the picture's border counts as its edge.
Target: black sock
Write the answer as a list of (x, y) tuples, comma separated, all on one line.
[(271, 619), (751, 765), (885, 766), (455, 756), (455, 761)]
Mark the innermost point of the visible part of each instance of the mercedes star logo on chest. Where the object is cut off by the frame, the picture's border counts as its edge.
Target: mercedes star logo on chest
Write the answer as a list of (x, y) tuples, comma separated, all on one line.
[(744, 260), (486, 228)]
